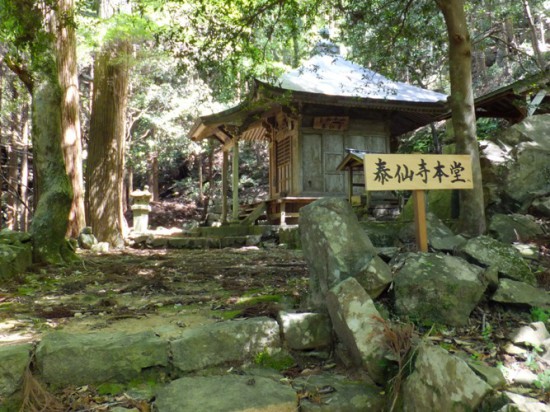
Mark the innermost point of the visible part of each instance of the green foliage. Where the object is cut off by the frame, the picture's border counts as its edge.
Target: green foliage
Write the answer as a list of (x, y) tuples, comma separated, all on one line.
[(540, 314), (25, 36), (543, 381), (486, 127), (279, 361), (110, 389)]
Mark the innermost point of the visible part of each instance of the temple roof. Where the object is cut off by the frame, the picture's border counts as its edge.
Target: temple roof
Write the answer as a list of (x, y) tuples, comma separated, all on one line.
[(328, 81), (335, 76)]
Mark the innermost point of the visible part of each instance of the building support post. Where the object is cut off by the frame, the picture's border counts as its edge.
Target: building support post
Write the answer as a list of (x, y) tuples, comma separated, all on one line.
[(225, 185), (235, 185)]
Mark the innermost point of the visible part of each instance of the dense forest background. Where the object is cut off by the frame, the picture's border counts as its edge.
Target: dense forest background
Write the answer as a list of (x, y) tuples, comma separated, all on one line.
[(132, 76)]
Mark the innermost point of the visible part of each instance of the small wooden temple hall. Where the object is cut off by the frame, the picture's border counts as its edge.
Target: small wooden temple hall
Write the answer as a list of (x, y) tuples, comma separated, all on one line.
[(318, 120)]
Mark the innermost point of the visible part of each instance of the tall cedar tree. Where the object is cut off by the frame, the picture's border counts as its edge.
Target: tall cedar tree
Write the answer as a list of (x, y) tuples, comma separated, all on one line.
[(105, 165)]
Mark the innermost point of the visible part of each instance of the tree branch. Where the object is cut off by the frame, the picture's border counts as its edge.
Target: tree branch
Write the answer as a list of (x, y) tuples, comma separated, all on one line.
[(21, 71)]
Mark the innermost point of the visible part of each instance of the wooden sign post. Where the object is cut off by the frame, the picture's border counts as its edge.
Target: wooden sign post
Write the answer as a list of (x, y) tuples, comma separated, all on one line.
[(417, 172)]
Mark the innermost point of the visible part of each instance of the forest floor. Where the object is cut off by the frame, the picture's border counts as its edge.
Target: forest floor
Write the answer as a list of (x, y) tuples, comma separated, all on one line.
[(141, 289)]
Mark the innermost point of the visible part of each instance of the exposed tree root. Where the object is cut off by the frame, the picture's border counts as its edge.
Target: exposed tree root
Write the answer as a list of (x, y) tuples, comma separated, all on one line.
[(36, 398)]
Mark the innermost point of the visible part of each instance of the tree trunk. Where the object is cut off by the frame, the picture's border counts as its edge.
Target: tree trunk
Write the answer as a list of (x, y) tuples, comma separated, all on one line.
[(49, 223), (154, 176), (1, 134), (70, 121), (13, 165), (472, 208), (106, 147), (533, 35), (24, 212)]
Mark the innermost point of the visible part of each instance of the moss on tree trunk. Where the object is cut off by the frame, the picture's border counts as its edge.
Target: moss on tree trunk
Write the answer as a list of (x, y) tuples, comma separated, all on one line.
[(49, 223)]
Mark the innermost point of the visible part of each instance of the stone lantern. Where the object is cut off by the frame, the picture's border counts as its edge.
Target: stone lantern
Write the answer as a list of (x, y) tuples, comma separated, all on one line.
[(141, 209)]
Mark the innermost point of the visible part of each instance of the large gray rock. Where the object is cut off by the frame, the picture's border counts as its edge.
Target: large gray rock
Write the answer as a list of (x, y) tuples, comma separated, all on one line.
[(220, 343), (440, 236), (354, 318), (532, 335), (77, 359), (442, 382), (226, 393), (15, 253), (437, 288), (533, 128), (382, 234), (520, 293), (520, 403), (13, 361), (487, 251), (542, 205), (303, 331), (492, 375), (336, 248), (331, 393), (514, 228), (528, 174)]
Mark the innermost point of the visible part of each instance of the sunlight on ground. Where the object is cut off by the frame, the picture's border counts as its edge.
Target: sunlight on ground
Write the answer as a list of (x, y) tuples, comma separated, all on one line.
[(10, 333)]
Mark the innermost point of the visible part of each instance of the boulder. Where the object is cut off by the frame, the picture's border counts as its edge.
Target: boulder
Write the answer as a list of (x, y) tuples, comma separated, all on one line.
[(492, 375), (336, 248), (533, 335), (10, 237), (528, 174), (533, 128), (329, 393), (382, 234), (494, 160), (437, 288), (14, 259), (357, 325), (226, 393), (542, 205), (15, 253), (486, 251), (520, 293), (440, 237), (520, 403), (514, 228), (13, 361), (440, 203), (86, 358), (224, 342), (442, 382), (305, 331), (86, 239)]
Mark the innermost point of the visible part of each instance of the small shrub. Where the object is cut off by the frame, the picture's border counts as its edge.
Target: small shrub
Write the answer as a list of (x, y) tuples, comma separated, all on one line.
[(399, 339), (540, 315)]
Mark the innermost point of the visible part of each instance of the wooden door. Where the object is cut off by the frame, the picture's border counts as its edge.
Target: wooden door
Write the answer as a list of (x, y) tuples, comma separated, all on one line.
[(333, 153), (312, 163)]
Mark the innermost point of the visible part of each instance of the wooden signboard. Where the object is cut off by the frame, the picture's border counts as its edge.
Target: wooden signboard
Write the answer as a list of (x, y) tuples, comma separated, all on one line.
[(331, 123), (418, 172)]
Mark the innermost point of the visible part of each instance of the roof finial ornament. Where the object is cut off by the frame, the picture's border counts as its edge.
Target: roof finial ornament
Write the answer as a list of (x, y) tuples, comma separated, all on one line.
[(325, 46)]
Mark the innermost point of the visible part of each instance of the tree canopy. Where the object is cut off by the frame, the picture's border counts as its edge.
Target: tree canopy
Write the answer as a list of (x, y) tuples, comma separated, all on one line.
[(191, 56)]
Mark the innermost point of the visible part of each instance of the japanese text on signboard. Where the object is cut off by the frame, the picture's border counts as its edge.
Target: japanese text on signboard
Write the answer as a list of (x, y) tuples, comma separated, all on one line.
[(417, 172)]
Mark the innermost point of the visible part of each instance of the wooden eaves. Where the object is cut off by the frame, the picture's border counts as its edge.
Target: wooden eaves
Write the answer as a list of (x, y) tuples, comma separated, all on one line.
[(247, 119)]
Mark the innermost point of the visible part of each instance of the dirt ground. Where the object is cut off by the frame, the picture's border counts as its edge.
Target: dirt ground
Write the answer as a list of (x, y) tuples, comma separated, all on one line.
[(166, 290), (152, 286)]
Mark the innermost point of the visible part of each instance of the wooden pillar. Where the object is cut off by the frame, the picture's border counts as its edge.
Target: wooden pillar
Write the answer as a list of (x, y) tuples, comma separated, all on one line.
[(350, 183), (235, 185), (419, 198), (225, 185)]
